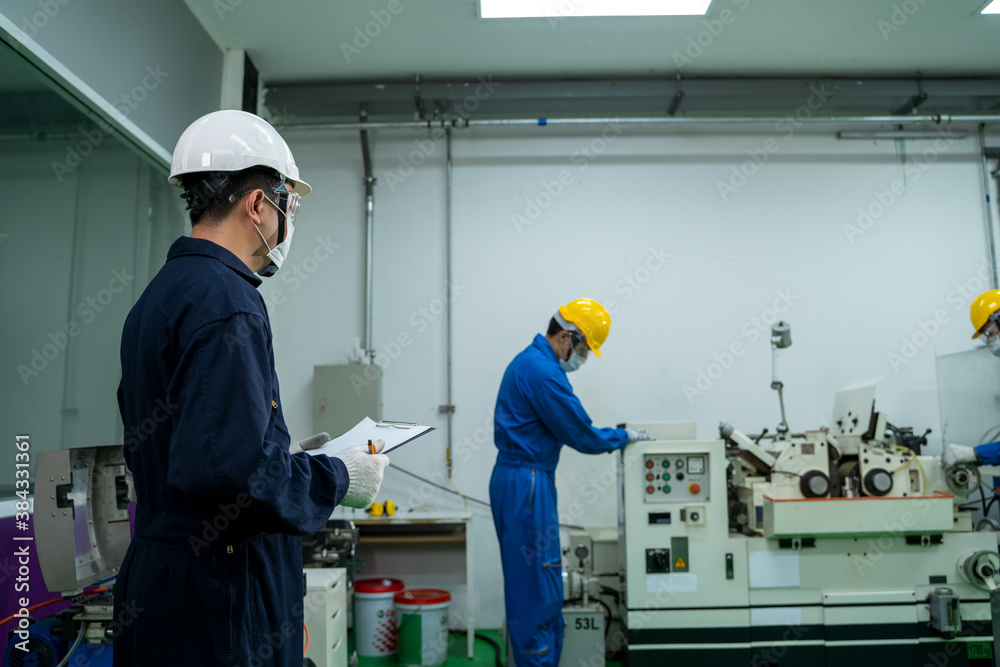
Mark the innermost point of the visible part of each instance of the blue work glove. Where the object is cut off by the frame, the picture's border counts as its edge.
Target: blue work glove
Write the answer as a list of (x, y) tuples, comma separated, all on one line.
[(637, 434)]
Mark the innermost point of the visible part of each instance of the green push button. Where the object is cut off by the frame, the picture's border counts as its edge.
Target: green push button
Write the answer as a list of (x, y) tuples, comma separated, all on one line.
[(666, 489), (666, 476), (666, 463)]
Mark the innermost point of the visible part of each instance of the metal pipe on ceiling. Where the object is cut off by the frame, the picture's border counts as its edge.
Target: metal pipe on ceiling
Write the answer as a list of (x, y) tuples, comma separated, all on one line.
[(462, 123)]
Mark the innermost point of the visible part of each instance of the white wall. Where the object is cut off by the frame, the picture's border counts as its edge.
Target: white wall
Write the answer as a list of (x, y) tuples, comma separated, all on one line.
[(74, 257), (852, 299)]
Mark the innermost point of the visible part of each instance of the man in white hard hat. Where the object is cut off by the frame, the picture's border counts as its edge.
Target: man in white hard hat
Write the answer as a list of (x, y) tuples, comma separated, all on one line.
[(214, 573)]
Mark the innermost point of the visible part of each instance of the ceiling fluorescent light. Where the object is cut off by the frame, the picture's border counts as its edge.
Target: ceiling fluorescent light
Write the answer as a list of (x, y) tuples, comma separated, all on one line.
[(992, 8), (512, 9)]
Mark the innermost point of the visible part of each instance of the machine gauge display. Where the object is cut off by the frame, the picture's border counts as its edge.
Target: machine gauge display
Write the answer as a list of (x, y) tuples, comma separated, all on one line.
[(696, 465)]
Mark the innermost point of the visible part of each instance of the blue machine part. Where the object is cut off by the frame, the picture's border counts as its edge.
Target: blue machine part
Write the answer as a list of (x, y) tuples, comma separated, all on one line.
[(46, 649)]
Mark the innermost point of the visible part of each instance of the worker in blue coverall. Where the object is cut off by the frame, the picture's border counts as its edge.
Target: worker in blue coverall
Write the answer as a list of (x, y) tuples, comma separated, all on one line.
[(985, 313), (536, 414), (213, 575)]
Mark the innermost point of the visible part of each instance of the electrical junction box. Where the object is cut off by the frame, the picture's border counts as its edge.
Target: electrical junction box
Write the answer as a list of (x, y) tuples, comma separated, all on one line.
[(945, 613), (343, 395)]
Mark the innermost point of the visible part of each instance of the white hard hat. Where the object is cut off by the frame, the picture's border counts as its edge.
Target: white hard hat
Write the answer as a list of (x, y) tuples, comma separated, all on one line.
[(231, 140)]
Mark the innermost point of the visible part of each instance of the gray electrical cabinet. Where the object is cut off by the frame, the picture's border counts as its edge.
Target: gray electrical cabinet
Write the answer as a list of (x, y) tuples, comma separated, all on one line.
[(343, 395)]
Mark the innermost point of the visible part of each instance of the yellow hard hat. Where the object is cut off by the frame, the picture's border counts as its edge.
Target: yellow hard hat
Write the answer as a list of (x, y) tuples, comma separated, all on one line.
[(983, 307), (592, 320)]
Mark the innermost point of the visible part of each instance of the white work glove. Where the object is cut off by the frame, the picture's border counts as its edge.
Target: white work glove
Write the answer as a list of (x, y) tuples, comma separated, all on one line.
[(365, 472), (312, 442), (956, 454), (637, 434)]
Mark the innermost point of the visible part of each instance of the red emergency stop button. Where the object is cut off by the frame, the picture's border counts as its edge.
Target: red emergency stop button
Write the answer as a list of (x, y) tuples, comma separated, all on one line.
[(649, 463), (649, 476), (695, 488), (650, 489)]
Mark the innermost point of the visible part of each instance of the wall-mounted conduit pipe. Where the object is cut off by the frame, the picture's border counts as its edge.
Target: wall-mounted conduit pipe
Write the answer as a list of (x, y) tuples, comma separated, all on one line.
[(989, 207), (369, 182), (449, 407)]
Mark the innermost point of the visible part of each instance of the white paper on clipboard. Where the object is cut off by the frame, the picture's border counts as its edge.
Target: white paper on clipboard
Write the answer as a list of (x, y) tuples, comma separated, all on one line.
[(394, 434)]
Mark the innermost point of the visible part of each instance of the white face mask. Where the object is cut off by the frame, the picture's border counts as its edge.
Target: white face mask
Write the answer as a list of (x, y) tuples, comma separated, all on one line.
[(279, 252), (574, 362)]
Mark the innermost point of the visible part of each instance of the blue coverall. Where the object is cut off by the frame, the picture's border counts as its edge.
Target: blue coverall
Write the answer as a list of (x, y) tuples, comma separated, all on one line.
[(213, 575), (536, 413), (989, 453)]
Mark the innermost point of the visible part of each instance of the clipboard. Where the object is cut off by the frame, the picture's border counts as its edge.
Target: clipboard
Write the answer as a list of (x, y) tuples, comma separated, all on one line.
[(395, 434)]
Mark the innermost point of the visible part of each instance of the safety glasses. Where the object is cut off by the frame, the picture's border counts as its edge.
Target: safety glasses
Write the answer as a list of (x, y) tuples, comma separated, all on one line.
[(288, 202), (579, 343), (992, 327)]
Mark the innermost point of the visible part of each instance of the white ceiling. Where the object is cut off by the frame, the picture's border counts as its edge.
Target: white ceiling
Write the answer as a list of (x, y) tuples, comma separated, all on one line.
[(301, 40)]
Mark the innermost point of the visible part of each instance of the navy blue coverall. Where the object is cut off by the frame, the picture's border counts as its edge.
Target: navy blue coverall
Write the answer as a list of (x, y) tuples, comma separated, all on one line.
[(213, 575), (536, 413)]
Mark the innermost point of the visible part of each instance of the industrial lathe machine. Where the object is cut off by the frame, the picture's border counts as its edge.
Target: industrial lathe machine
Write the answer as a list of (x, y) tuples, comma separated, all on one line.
[(840, 546)]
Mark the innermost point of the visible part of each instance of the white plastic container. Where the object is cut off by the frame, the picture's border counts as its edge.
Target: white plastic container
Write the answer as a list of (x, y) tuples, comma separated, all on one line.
[(422, 617), (375, 631)]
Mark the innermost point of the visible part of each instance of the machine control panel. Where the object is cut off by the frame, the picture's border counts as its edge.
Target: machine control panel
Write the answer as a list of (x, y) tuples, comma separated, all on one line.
[(674, 477)]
